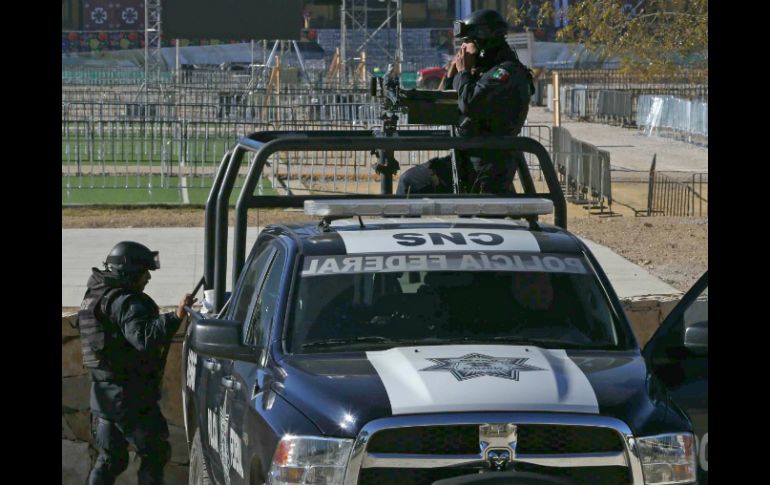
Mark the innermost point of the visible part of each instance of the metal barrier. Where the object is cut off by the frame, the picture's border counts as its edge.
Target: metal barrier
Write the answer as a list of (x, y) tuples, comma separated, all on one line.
[(625, 107), (670, 116), (211, 77), (615, 106), (542, 134), (584, 171), (575, 101), (184, 155), (614, 79), (228, 105), (118, 138), (686, 197), (150, 155)]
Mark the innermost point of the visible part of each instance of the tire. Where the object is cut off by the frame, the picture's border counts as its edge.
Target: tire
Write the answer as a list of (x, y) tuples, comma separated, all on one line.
[(199, 475)]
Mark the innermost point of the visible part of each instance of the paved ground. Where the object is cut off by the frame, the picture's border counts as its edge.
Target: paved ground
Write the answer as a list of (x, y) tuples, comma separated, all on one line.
[(181, 256), (181, 259), (629, 148)]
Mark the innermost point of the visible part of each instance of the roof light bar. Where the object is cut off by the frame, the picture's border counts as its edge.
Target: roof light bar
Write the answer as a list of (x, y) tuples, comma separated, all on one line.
[(429, 207)]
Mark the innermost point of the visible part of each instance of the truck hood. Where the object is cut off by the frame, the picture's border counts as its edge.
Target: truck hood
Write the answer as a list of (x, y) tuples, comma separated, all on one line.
[(342, 392)]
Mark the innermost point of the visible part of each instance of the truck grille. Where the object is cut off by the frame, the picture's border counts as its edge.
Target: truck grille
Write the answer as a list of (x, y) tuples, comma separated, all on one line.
[(545, 439), (590, 475), (392, 476), (613, 475), (464, 440), (421, 449), (448, 440)]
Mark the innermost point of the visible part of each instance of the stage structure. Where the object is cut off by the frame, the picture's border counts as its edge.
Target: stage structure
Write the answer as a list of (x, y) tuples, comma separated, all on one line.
[(153, 61), (239, 19), (354, 17)]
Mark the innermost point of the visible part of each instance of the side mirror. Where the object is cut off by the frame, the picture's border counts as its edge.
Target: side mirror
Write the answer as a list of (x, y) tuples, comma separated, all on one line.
[(696, 338), (221, 339)]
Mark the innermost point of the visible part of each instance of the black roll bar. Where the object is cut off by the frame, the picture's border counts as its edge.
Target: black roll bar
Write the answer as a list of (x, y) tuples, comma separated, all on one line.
[(264, 144)]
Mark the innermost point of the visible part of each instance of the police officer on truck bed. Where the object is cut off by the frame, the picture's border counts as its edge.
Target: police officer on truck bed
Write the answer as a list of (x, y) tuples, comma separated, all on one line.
[(494, 89), (123, 338)]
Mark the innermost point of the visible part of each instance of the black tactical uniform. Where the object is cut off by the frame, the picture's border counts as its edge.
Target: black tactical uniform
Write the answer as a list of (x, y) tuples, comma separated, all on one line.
[(492, 100), (123, 337)]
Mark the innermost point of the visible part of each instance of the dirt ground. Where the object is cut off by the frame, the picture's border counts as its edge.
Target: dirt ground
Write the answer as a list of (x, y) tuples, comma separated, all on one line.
[(675, 249)]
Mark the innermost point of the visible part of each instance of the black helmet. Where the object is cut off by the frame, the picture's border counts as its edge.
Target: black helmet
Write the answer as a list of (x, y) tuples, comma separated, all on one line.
[(128, 257), (482, 25)]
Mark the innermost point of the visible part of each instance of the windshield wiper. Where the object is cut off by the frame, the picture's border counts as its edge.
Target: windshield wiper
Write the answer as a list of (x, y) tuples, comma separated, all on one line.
[(508, 339), (537, 342), (344, 341)]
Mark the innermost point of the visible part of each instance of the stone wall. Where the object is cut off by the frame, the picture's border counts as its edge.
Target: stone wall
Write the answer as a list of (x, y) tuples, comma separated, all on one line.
[(647, 312), (78, 454)]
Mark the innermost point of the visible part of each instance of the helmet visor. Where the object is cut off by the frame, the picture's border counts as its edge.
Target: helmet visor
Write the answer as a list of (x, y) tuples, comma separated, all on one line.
[(155, 262), (460, 29)]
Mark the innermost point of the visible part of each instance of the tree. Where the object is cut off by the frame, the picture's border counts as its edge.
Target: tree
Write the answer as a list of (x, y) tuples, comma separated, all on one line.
[(648, 36)]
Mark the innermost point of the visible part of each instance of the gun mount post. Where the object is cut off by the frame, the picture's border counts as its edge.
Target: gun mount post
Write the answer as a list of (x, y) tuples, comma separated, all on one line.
[(387, 165)]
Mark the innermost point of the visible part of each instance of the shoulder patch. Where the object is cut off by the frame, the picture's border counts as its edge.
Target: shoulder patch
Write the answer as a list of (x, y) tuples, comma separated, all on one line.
[(501, 74)]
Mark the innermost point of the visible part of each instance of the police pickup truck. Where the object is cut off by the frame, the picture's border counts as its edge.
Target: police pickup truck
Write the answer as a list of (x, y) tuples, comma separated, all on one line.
[(437, 350)]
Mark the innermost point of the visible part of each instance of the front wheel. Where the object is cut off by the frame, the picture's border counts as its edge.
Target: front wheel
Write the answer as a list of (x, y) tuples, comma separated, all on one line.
[(198, 473)]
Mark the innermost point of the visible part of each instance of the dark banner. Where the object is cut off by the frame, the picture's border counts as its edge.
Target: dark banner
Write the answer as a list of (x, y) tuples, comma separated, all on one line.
[(248, 19), (113, 15)]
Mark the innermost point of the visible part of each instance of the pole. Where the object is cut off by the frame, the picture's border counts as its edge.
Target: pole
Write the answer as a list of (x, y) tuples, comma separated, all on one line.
[(399, 44), (176, 67), (651, 186), (556, 101), (343, 42), (301, 60), (252, 66)]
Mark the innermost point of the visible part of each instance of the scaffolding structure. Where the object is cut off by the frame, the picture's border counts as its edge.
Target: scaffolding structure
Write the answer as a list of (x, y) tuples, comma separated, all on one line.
[(354, 18), (153, 61)]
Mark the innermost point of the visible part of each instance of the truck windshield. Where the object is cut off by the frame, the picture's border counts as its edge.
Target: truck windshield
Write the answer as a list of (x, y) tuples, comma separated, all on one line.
[(379, 301)]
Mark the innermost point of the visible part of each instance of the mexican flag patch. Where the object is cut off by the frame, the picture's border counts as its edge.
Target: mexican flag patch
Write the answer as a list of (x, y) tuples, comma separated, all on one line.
[(501, 74)]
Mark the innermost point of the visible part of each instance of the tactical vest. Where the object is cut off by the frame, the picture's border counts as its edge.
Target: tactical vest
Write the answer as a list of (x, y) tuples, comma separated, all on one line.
[(512, 108), (97, 332), (521, 116)]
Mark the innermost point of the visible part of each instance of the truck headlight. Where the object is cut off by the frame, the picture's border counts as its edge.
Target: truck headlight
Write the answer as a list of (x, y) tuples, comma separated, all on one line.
[(310, 460), (668, 458)]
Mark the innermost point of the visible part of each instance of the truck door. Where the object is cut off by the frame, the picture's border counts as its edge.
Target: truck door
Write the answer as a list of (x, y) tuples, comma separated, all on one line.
[(678, 355), (216, 437), (247, 425)]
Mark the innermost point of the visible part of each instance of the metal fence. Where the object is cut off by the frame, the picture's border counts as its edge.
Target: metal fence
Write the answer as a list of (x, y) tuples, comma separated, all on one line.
[(615, 106), (258, 76), (592, 104), (117, 159), (120, 143), (613, 79), (350, 108), (670, 116), (325, 172), (668, 196), (676, 193), (584, 170)]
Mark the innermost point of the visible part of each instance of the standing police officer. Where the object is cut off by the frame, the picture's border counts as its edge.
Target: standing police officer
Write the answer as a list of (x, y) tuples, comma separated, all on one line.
[(494, 89), (123, 338)]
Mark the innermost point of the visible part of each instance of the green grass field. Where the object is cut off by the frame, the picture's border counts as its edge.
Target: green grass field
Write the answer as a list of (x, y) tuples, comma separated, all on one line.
[(143, 151), (145, 189)]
